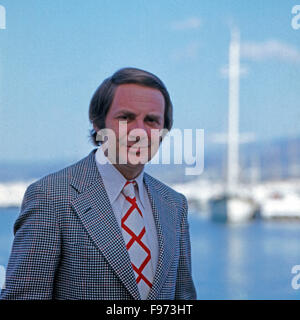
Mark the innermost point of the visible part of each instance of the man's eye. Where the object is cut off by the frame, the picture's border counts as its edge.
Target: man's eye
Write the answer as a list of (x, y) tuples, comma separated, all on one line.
[(123, 117), (151, 120)]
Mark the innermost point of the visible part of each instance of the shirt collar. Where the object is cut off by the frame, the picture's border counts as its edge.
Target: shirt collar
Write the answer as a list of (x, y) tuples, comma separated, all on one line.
[(113, 180), (140, 182)]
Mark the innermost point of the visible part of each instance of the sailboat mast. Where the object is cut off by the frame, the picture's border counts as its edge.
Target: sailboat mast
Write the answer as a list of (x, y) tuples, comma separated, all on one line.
[(233, 116)]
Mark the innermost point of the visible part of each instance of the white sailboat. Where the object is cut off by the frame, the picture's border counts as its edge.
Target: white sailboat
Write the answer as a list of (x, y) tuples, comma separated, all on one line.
[(233, 205), (281, 205)]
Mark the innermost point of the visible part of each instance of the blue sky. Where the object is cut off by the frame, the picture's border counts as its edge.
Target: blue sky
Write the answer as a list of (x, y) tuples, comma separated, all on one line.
[(54, 54)]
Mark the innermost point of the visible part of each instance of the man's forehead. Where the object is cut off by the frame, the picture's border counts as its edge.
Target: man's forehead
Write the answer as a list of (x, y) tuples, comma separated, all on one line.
[(134, 92)]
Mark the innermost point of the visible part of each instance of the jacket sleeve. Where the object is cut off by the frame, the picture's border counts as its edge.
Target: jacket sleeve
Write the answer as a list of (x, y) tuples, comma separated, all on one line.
[(185, 289), (36, 249)]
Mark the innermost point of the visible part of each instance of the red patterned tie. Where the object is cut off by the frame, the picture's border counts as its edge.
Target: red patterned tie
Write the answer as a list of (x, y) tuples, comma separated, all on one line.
[(134, 234)]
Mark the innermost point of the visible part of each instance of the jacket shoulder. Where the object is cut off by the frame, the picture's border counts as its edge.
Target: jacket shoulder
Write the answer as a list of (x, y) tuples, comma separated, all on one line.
[(61, 179), (166, 191)]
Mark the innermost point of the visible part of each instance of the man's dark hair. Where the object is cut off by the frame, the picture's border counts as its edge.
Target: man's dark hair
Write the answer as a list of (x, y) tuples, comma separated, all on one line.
[(104, 95)]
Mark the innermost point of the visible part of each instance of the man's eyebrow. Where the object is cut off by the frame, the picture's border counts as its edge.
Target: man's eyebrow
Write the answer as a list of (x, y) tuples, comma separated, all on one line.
[(154, 116), (127, 112), (124, 113)]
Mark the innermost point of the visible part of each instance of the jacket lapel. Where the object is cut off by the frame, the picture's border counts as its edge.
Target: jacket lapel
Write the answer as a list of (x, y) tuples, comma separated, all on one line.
[(93, 208), (165, 214)]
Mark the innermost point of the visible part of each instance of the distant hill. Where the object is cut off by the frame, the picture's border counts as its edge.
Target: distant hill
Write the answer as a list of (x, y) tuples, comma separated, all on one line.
[(267, 160), (276, 159), (28, 171)]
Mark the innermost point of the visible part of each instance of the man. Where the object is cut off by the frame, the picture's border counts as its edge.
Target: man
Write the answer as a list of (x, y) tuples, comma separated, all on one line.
[(102, 228)]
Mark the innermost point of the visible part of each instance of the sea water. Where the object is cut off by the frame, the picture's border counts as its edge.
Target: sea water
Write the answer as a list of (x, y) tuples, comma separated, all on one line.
[(246, 261)]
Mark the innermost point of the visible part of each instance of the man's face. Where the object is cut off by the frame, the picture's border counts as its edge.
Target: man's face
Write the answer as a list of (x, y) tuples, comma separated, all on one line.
[(139, 108)]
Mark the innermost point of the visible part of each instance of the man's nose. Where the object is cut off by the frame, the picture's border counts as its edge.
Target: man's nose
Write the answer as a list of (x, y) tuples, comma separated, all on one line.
[(137, 124), (139, 127)]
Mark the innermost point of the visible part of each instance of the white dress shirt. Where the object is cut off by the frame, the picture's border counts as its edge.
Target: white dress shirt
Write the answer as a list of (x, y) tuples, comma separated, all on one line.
[(114, 182)]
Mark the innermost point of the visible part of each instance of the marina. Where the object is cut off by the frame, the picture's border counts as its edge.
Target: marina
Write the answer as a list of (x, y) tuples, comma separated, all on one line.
[(231, 72), (252, 260)]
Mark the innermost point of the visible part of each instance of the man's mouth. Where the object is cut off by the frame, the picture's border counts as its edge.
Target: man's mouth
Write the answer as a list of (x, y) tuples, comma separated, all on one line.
[(137, 147), (133, 147)]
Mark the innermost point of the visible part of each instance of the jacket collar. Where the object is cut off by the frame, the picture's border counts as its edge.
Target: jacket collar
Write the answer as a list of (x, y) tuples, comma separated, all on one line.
[(113, 180), (93, 207)]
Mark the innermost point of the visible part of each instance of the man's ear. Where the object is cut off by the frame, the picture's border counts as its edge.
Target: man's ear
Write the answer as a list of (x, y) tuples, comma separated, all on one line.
[(164, 133), (95, 127)]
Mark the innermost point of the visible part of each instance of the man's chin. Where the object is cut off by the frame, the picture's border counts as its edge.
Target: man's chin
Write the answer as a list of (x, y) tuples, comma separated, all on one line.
[(129, 165), (136, 160), (134, 157)]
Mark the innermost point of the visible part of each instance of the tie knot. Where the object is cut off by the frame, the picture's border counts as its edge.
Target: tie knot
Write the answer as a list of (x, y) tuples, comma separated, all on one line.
[(128, 189)]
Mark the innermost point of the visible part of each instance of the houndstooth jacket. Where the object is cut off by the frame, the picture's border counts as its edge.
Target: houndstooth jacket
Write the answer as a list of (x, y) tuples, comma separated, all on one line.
[(68, 244)]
